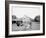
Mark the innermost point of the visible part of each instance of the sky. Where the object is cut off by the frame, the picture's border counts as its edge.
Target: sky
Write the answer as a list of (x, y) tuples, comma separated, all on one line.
[(30, 11)]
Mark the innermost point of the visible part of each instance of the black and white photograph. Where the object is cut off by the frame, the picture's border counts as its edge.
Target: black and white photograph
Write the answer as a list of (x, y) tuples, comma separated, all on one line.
[(25, 18)]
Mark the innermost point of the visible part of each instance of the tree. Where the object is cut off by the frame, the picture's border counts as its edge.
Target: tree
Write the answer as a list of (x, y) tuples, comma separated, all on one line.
[(14, 17), (37, 19)]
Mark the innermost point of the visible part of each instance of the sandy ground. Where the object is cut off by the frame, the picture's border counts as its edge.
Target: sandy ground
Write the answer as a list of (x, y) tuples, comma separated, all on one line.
[(35, 26)]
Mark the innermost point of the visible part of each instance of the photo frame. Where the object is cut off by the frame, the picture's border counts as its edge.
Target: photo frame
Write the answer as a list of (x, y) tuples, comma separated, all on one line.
[(13, 27)]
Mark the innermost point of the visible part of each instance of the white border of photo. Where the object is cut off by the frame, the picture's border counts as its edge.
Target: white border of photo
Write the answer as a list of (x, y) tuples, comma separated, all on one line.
[(25, 32)]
